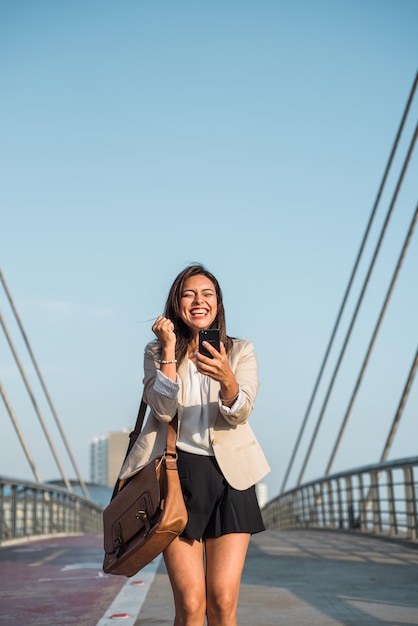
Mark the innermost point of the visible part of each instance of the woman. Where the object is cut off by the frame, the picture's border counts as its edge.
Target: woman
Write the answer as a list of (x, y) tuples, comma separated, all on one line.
[(219, 458)]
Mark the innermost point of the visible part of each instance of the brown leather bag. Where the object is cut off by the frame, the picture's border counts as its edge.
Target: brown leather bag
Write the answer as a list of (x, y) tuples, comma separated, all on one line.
[(146, 512)]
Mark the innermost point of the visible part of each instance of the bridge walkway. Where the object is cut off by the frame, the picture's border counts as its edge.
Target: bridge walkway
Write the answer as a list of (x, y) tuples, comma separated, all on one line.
[(291, 578), (315, 578)]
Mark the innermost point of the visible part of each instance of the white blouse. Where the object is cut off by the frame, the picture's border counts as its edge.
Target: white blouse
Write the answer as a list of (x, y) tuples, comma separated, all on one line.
[(194, 428), (194, 435)]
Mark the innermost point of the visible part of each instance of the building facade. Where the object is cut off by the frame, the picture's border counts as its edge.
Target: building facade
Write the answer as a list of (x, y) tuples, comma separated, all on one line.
[(107, 453)]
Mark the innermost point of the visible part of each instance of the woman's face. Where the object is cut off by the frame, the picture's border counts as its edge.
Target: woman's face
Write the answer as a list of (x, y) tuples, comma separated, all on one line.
[(198, 303)]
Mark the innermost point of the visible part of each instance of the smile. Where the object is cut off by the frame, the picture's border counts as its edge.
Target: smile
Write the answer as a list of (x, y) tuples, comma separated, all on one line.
[(198, 312)]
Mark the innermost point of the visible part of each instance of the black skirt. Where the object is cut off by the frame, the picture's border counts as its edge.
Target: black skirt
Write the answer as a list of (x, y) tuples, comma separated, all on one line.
[(213, 506)]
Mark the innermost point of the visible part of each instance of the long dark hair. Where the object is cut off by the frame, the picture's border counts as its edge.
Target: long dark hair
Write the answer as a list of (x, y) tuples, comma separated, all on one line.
[(172, 310)]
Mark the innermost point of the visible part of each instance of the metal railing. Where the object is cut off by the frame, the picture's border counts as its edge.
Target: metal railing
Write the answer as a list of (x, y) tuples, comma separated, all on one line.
[(28, 509), (378, 499)]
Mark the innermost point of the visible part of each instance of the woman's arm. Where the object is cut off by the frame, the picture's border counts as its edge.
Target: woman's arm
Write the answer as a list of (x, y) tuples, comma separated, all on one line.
[(160, 391)]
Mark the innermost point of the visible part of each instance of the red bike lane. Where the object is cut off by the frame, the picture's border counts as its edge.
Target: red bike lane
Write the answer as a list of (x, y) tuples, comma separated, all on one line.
[(55, 581)]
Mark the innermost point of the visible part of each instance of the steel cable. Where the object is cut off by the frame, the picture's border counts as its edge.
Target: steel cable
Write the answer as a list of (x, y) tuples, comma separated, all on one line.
[(350, 282)]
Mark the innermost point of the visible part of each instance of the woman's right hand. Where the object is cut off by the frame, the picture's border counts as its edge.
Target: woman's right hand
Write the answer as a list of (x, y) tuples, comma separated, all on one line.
[(163, 329)]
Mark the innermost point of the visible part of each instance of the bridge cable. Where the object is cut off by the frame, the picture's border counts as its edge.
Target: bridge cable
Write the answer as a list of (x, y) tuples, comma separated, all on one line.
[(35, 405), (359, 302), (368, 498), (374, 337), (400, 409), (20, 434), (350, 282), (41, 379)]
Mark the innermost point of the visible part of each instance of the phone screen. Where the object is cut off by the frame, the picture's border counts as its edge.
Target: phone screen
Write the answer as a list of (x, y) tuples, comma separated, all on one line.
[(211, 335)]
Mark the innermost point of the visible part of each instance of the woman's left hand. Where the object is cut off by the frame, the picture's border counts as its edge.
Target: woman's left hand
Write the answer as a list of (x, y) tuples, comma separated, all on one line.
[(219, 369)]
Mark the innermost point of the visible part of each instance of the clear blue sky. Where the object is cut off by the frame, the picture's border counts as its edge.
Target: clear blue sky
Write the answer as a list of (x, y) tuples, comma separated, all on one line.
[(140, 136)]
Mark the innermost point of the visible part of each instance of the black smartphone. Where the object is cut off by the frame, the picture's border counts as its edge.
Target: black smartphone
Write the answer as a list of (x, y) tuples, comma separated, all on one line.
[(211, 335)]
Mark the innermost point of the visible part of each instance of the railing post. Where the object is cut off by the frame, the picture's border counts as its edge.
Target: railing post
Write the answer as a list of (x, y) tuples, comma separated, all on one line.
[(316, 503), (34, 518), (331, 513), (340, 505), (349, 492), (277, 516), (295, 508), (362, 505), (411, 506), (377, 519), (13, 510), (316, 492), (51, 515), (308, 507), (391, 502), (2, 516), (44, 518), (25, 511)]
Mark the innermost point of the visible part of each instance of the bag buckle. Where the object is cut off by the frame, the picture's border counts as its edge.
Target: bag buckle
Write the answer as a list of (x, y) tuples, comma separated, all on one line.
[(142, 515), (172, 455)]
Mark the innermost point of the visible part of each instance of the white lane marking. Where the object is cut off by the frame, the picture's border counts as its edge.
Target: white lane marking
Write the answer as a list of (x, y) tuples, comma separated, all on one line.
[(60, 580), (87, 565), (131, 597)]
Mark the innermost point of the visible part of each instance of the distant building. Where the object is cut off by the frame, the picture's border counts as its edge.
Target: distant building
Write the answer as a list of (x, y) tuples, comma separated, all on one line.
[(107, 453), (261, 490)]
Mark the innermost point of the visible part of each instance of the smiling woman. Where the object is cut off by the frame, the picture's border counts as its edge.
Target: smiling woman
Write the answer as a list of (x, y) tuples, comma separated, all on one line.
[(195, 302), (198, 303), (219, 458)]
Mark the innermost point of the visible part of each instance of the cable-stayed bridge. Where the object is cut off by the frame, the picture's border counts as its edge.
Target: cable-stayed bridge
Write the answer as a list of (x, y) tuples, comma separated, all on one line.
[(341, 549)]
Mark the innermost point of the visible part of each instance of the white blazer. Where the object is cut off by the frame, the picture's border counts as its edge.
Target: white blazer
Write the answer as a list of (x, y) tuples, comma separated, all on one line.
[(235, 446)]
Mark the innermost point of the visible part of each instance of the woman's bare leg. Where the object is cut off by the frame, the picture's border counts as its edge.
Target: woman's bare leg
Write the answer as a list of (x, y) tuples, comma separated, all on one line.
[(185, 567), (225, 558)]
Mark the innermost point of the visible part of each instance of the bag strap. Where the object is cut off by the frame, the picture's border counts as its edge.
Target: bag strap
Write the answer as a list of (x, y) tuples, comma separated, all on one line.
[(171, 431), (133, 436), (170, 448)]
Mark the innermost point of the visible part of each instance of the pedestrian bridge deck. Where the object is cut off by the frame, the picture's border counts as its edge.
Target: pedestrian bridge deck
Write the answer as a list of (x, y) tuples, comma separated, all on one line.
[(292, 578)]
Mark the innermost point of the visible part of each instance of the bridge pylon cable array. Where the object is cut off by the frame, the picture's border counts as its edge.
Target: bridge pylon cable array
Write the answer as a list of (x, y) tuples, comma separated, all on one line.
[(350, 282), (35, 404), (400, 408), (20, 434), (373, 340), (47, 395), (360, 300)]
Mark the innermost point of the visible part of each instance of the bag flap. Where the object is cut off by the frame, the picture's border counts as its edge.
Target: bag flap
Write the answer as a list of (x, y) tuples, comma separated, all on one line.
[(133, 508)]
